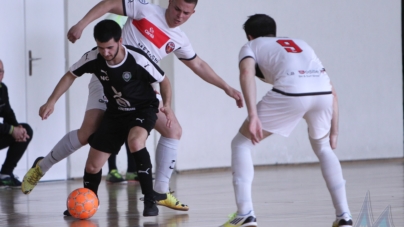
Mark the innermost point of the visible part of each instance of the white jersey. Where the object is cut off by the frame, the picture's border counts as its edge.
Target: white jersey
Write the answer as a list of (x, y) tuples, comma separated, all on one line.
[(147, 29), (290, 65)]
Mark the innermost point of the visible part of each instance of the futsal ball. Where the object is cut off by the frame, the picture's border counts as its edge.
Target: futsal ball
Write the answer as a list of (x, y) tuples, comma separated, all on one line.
[(82, 203)]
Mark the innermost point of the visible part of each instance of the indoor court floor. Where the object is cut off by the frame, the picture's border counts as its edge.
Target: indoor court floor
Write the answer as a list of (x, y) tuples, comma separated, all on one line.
[(284, 195)]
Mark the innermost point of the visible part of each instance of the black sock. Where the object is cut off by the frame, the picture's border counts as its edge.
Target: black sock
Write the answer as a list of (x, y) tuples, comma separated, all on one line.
[(92, 181), (131, 160), (112, 162), (144, 171)]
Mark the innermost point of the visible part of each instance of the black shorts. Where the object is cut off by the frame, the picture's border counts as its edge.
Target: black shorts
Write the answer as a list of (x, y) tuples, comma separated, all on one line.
[(114, 128)]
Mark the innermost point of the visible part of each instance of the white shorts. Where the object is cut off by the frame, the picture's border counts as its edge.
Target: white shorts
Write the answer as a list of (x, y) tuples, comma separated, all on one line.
[(280, 114), (96, 98)]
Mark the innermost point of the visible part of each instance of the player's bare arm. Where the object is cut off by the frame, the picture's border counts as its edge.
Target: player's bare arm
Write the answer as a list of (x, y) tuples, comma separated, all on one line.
[(204, 71), (105, 6), (166, 94), (334, 121), (248, 86), (65, 82)]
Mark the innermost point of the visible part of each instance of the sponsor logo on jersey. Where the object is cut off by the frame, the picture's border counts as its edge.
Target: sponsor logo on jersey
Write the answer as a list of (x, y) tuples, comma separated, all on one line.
[(104, 78), (144, 48), (144, 2), (309, 73), (103, 99), (170, 47), (126, 76), (151, 32)]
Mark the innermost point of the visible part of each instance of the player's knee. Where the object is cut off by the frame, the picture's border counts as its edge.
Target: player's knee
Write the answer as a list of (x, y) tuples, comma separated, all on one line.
[(92, 169), (240, 140), (136, 145), (320, 146), (83, 136), (174, 132)]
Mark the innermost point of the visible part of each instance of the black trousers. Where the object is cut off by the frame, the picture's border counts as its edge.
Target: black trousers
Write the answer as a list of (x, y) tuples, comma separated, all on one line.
[(15, 150)]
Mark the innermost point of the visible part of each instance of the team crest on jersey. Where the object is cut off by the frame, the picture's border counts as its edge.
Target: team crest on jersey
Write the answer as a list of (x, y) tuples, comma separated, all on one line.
[(126, 76), (170, 47), (144, 2)]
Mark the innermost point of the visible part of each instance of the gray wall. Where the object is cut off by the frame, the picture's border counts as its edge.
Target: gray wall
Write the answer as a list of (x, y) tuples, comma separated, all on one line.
[(359, 42)]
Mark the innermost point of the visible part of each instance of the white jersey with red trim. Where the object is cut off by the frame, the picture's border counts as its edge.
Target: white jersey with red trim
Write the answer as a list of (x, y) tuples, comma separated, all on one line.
[(147, 29), (290, 65)]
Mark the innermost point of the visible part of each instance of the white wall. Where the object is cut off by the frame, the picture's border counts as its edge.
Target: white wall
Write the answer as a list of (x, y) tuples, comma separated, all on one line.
[(359, 43)]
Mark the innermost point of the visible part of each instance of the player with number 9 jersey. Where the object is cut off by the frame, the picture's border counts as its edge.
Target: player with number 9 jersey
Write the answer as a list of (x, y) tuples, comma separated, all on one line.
[(290, 65)]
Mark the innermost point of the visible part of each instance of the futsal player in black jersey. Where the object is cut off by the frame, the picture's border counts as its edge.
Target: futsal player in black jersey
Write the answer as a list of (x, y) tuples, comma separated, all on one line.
[(126, 74)]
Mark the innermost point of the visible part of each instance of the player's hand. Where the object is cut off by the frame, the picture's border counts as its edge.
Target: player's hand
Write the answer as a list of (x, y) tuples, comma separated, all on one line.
[(235, 95), (46, 110), (20, 134), (171, 119), (74, 33), (255, 129), (333, 140)]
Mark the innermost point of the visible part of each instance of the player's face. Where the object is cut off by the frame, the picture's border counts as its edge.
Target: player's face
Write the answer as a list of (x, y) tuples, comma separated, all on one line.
[(108, 50), (178, 12), (1, 71)]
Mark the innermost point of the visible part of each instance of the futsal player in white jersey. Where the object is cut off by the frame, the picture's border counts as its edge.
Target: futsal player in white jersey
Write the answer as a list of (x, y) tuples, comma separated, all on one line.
[(301, 89), (156, 31)]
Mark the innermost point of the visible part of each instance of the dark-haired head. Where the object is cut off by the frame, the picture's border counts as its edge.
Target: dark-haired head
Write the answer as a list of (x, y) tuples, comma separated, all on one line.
[(106, 30), (259, 25)]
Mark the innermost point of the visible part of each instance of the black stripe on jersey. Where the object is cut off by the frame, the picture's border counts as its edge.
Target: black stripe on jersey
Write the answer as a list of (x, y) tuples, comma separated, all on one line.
[(301, 94), (188, 59), (245, 58), (123, 7), (89, 51), (139, 51)]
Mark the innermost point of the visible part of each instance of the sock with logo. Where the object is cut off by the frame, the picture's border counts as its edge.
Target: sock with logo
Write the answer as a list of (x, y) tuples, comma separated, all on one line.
[(144, 171), (166, 156), (243, 172), (92, 181), (65, 147), (332, 173)]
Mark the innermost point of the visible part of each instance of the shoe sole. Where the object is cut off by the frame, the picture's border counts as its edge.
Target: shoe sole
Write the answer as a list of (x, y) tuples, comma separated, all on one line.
[(22, 183), (172, 208)]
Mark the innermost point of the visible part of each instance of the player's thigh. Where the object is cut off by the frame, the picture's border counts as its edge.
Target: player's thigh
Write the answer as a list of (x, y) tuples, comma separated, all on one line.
[(245, 131), (141, 123), (91, 121), (319, 115), (173, 132), (96, 160), (279, 114)]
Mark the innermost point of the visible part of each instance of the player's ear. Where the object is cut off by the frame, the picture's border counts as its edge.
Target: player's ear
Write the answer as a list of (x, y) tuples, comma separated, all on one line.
[(120, 41)]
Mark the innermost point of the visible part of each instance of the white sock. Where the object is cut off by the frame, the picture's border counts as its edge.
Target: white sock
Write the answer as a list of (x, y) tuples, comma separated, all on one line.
[(65, 147), (166, 156), (332, 173), (243, 172)]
